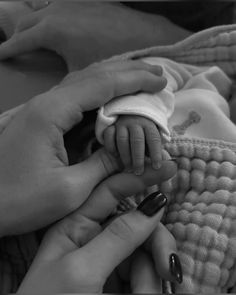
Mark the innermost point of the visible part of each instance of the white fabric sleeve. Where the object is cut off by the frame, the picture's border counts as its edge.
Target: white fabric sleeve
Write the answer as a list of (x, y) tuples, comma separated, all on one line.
[(158, 107)]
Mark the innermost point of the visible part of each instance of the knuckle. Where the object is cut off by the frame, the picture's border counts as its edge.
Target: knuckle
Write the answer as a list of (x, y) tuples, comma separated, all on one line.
[(136, 139), (121, 229), (100, 70), (35, 111), (46, 23), (154, 139), (50, 26), (106, 81), (105, 75), (21, 24), (122, 138)]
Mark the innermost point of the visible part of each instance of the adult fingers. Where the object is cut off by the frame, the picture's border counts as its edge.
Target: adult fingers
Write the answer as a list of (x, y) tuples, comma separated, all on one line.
[(131, 65), (66, 236), (111, 67), (162, 246), (153, 140), (80, 179), (23, 42), (122, 236), (108, 194), (110, 140), (139, 80), (63, 105), (137, 144), (143, 278), (122, 142)]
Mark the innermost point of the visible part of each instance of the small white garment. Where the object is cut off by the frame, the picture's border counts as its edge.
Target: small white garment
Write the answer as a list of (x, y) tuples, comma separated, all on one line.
[(200, 89)]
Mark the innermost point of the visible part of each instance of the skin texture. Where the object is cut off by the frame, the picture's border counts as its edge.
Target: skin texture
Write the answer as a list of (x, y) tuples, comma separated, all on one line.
[(77, 255), (80, 33), (42, 187), (127, 138), (63, 27)]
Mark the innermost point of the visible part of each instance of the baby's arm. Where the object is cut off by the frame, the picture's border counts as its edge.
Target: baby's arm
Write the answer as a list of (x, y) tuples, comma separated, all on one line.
[(132, 137)]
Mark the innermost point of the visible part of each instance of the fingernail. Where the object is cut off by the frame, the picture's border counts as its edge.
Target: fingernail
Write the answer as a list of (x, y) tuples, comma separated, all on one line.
[(176, 268), (160, 69), (156, 166), (152, 203)]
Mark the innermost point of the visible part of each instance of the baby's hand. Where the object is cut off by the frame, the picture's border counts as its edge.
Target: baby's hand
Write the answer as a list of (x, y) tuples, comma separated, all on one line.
[(128, 138)]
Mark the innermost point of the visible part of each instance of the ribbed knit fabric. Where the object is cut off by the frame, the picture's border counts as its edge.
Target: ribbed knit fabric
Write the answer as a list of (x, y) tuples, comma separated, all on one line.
[(202, 209), (201, 213), (213, 46)]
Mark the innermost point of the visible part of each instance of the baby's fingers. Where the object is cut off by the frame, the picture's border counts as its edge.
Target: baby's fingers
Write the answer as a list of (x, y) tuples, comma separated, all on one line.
[(110, 140), (137, 145), (153, 140), (123, 146)]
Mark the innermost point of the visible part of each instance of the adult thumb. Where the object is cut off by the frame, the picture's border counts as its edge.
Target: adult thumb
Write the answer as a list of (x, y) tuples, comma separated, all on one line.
[(123, 235), (21, 43), (84, 176)]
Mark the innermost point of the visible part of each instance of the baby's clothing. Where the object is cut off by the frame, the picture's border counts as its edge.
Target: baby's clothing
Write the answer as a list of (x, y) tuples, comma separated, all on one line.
[(202, 210), (192, 104)]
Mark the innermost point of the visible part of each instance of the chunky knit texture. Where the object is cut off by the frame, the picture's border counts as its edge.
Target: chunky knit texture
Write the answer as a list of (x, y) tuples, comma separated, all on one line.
[(201, 213), (202, 209), (214, 46)]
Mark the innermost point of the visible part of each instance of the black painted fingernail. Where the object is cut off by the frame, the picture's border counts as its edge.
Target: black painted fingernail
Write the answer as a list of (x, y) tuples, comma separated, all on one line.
[(152, 203), (176, 268)]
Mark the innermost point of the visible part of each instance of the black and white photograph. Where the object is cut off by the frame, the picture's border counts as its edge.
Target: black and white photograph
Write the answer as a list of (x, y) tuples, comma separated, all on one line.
[(117, 147)]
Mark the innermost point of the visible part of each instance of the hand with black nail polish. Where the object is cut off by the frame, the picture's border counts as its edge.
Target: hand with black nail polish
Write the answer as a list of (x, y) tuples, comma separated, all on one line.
[(78, 255), (153, 203), (160, 258), (176, 268)]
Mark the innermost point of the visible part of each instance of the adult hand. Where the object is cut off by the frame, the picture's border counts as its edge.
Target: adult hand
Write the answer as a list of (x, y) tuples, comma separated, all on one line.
[(157, 259), (37, 184), (83, 33), (77, 255)]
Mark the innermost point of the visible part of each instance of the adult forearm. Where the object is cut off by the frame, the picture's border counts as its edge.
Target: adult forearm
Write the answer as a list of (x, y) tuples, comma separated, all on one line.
[(159, 30)]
